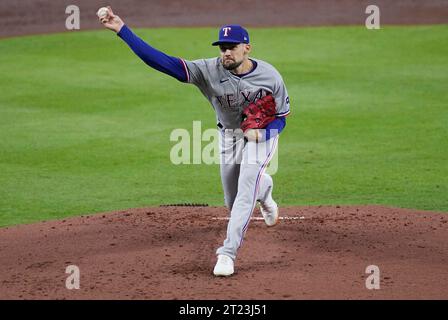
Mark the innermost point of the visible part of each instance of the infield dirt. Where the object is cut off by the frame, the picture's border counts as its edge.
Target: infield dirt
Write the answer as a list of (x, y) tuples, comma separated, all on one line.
[(169, 253)]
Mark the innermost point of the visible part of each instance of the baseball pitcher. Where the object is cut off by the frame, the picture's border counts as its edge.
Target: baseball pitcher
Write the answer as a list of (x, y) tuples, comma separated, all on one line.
[(251, 103)]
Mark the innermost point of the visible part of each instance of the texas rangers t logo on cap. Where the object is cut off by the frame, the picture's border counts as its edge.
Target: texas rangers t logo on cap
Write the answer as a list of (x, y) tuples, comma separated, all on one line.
[(232, 34), (226, 29)]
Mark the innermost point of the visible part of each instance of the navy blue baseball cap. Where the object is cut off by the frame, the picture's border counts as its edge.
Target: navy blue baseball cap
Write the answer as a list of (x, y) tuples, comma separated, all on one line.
[(232, 34)]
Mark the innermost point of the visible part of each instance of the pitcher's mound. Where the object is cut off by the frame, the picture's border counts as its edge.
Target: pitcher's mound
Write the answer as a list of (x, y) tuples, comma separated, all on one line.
[(169, 253)]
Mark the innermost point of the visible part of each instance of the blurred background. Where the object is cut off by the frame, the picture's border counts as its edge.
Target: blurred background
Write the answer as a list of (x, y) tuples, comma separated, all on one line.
[(43, 16)]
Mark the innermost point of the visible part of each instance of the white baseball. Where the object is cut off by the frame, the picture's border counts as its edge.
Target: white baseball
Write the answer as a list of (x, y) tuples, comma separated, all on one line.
[(102, 12)]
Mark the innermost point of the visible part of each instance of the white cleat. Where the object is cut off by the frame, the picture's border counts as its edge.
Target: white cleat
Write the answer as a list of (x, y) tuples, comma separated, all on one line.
[(224, 266), (269, 210)]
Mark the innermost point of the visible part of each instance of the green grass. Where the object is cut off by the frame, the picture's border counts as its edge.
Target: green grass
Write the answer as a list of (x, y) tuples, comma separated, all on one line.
[(85, 125)]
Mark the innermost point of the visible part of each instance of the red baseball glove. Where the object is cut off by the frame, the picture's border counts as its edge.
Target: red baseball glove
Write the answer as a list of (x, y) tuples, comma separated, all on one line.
[(259, 114)]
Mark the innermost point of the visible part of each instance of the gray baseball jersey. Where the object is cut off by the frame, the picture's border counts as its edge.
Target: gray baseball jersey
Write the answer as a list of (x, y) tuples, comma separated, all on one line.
[(230, 94)]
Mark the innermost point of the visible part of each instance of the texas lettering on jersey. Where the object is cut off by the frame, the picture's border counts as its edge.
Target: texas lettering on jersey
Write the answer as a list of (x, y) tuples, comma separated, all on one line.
[(248, 97)]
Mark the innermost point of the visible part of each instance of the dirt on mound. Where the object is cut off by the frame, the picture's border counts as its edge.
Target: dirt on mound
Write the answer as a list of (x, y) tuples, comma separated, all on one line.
[(44, 16), (169, 253)]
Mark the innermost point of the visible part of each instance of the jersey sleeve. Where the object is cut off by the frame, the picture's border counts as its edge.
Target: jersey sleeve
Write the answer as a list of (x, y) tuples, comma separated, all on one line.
[(196, 72), (281, 98)]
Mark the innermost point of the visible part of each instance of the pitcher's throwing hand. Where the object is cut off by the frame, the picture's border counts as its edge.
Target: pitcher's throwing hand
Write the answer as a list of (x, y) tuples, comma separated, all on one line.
[(109, 19)]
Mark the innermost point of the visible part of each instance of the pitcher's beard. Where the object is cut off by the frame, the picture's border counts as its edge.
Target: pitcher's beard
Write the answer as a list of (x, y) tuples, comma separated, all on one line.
[(232, 66)]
